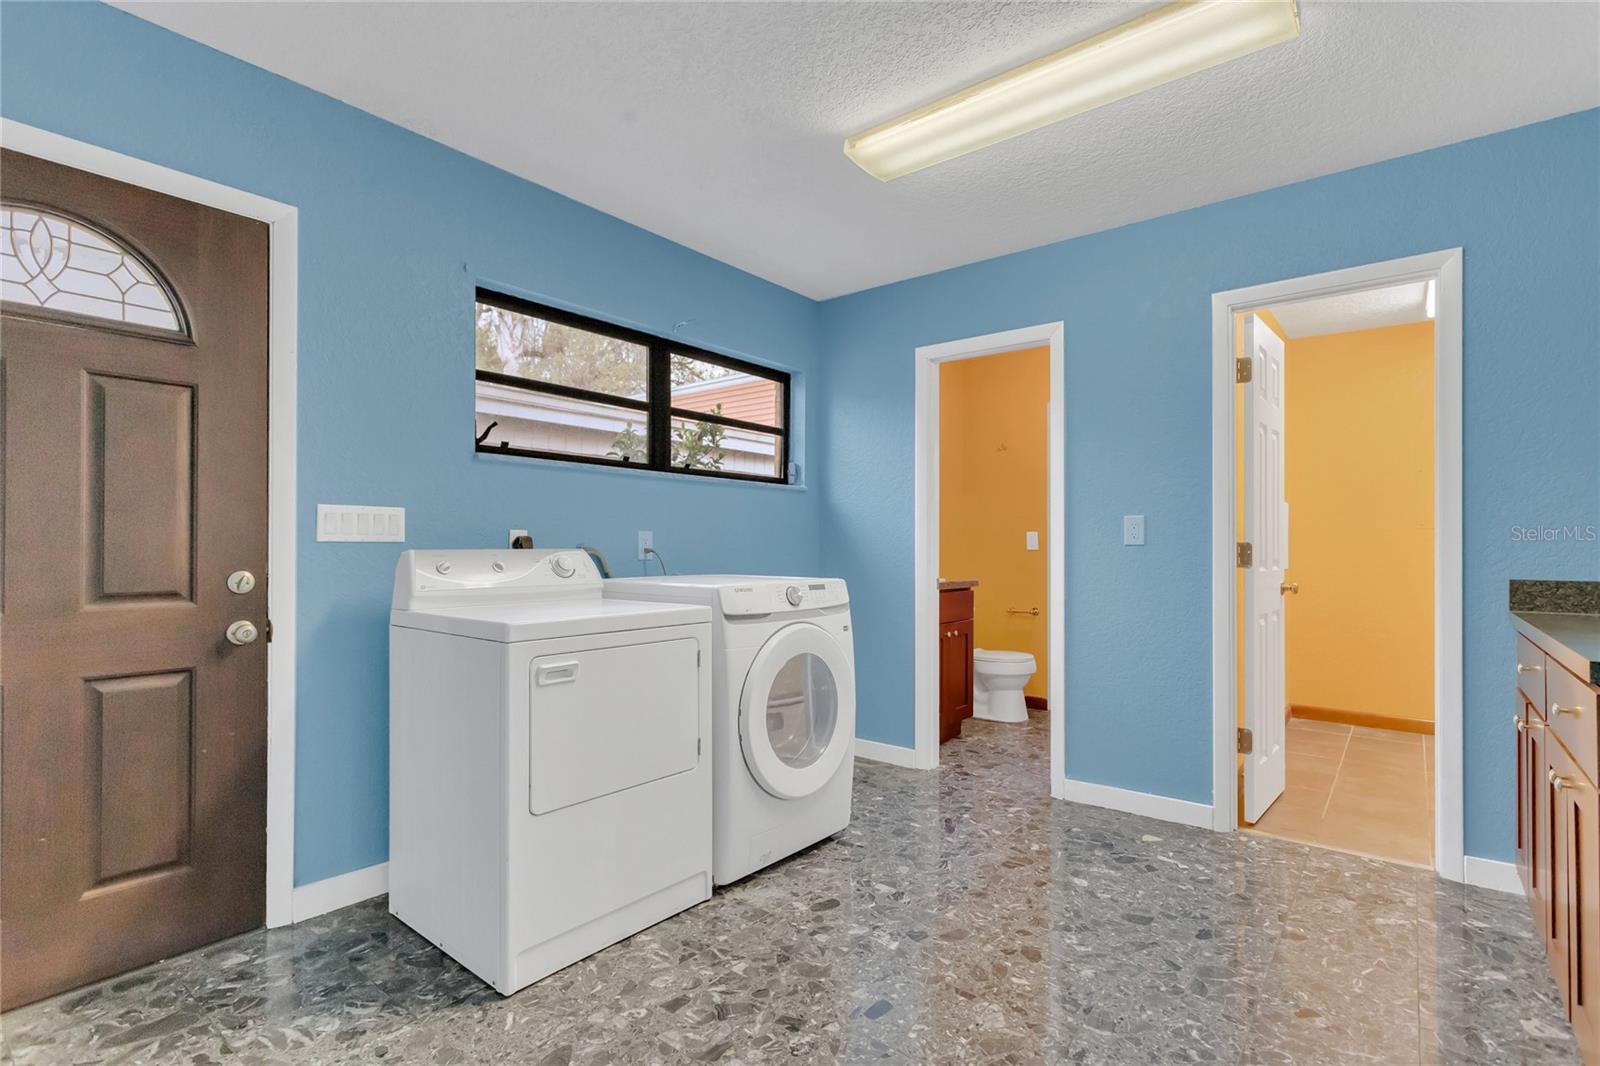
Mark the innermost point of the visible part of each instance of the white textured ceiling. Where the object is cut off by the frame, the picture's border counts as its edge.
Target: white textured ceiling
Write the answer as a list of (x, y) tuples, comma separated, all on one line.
[(720, 125), (1393, 305)]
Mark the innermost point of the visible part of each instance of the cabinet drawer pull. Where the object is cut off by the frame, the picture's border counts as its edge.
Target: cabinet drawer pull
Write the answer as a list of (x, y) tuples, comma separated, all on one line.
[(1561, 783), (1516, 720), (1524, 668), (1556, 710)]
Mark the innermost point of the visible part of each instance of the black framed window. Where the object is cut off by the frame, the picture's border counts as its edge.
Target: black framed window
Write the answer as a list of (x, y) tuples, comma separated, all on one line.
[(555, 385)]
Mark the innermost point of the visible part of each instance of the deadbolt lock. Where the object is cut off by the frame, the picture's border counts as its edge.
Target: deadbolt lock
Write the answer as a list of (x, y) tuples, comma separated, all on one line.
[(241, 581), (243, 632)]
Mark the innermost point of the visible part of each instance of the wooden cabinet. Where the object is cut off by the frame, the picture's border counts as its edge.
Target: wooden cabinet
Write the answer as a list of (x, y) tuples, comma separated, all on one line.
[(1558, 893), (1558, 829), (1580, 805), (1570, 711), (1530, 763), (955, 660)]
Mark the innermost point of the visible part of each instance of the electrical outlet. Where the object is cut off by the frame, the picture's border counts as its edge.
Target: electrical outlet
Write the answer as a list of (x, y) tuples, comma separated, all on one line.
[(512, 535), (1033, 540), (1133, 529), (647, 540)]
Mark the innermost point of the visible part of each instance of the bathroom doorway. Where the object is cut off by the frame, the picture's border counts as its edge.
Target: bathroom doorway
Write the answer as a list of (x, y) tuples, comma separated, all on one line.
[(1355, 375), (989, 445), (993, 499), (1342, 478)]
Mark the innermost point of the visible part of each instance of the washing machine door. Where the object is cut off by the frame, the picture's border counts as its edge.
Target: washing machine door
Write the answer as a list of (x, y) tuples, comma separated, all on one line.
[(797, 713)]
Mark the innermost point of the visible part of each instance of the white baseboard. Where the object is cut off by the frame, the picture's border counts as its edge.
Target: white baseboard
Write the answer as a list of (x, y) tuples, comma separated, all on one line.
[(1492, 874), (1147, 804), (329, 894), (892, 754)]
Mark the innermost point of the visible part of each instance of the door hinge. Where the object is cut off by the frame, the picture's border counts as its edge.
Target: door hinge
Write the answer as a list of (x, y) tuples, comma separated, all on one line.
[(1247, 742), (1244, 368), (268, 628), (1244, 554)]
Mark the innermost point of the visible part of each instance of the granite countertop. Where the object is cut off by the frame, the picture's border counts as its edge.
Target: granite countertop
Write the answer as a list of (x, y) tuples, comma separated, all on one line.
[(1563, 618), (951, 586)]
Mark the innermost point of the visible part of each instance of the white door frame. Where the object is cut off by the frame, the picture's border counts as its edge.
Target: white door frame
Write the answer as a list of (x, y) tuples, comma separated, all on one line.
[(282, 327), (926, 534), (1445, 269)]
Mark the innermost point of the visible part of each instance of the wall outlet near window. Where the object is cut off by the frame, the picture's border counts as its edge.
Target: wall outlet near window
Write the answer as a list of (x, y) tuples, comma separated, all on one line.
[(1133, 529), (1033, 540), (647, 540), (351, 522)]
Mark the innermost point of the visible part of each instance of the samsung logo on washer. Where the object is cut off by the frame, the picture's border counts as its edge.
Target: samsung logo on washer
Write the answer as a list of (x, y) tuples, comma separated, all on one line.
[(566, 719)]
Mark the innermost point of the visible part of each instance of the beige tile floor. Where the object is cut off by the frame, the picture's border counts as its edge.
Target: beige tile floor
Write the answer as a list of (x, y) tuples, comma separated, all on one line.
[(1365, 791)]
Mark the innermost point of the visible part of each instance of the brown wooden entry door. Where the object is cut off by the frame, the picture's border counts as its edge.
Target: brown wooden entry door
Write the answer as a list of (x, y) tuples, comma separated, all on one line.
[(133, 378)]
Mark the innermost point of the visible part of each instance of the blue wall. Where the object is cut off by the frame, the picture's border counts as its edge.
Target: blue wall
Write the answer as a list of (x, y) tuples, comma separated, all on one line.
[(395, 231), (1136, 303)]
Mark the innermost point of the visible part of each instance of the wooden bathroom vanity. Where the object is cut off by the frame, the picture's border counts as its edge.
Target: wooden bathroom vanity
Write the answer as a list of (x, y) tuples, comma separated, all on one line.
[(955, 656)]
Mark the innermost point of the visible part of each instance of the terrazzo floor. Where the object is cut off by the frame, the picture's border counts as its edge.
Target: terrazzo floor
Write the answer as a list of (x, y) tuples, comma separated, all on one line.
[(964, 917)]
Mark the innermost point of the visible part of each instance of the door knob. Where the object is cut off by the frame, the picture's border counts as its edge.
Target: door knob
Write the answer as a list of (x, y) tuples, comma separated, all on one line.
[(1289, 587), (242, 632)]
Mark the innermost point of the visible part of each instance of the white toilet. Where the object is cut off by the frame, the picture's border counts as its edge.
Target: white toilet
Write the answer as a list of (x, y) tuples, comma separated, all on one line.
[(998, 678)]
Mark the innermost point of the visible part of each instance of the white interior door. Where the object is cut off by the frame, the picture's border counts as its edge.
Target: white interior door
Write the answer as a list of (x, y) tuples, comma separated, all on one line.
[(1266, 521)]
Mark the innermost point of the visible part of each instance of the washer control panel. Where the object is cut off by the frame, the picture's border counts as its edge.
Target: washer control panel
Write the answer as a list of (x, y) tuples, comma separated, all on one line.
[(431, 578), (781, 595)]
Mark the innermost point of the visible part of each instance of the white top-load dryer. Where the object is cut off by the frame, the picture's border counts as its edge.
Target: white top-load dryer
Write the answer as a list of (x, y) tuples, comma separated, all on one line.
[(549, 772), (784, 710)]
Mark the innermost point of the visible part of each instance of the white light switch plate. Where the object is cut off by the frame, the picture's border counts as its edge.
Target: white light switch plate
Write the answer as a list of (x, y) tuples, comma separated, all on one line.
[(1033, 540), (1133, 529), (351, 522)]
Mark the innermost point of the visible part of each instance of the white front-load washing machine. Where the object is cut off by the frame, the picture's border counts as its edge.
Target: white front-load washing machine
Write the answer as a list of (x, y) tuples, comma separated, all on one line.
[(549, 788), (783, 710)]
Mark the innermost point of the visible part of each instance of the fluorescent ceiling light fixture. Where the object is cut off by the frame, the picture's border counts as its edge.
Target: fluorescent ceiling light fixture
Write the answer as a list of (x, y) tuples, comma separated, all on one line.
[(1165, 45), (1428, 304)]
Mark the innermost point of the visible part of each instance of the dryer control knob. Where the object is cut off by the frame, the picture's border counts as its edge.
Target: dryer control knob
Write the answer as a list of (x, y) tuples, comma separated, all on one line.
[(561, 567), (793, 595)]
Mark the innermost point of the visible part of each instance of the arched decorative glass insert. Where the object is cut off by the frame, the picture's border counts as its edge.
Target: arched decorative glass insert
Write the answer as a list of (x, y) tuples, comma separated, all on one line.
[(52, 261)]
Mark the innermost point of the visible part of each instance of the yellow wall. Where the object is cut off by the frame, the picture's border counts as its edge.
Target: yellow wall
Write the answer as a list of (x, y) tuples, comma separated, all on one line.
[(1358, 471), (993, 489), (1358, 474)]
